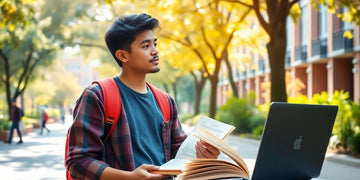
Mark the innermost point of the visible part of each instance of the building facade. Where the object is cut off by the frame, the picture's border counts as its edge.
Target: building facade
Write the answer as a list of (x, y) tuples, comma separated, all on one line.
[(317, 54)]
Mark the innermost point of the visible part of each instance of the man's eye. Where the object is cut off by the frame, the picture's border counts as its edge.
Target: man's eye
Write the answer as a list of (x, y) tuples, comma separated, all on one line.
[(146, 46), (155, 44)]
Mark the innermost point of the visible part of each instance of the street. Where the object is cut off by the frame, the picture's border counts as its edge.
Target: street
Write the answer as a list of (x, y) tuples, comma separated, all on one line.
[(42, 157)]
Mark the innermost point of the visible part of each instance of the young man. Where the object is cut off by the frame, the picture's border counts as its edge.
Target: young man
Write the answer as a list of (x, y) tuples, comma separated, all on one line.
[(140, 141), (16, 114)]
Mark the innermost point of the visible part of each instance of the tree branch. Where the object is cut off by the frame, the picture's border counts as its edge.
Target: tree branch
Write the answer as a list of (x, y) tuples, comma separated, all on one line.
[(23, 74), (280, 12), (239, 2), (85, 45), (291, 3), (262, 21), (233, 31), (6, 60)]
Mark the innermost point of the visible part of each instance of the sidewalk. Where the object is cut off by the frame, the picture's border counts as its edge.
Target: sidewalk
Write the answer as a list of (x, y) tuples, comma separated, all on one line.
[(338, 158), (42, 157), (335, 166)]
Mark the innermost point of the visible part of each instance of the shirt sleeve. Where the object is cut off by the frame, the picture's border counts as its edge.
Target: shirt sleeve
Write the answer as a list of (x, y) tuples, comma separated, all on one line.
[(85, 142), (177, 134)]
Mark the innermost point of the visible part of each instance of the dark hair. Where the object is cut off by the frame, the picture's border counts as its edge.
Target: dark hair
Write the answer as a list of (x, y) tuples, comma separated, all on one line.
[(122, 32)]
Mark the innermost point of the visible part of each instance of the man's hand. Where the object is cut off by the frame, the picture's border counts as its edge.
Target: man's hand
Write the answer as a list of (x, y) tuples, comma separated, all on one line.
[(205, 150), (144, 172)]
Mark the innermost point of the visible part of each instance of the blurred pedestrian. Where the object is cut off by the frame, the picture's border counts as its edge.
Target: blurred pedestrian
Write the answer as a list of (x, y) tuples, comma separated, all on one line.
[(62, 113), (15, 117), (44, 118)]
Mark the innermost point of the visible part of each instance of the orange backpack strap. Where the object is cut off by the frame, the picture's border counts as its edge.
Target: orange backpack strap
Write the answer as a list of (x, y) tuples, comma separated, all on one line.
[(112, 104), (163, 102)]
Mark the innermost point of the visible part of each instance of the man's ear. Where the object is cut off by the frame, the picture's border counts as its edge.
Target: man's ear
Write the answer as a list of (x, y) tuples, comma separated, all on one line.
[(121, 55)]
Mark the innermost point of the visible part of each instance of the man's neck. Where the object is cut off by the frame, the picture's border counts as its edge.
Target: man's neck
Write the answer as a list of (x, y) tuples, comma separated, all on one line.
[(134, 82)]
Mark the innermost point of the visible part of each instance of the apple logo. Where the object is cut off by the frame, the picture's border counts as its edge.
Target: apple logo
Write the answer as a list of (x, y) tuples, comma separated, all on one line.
[(297, 143)]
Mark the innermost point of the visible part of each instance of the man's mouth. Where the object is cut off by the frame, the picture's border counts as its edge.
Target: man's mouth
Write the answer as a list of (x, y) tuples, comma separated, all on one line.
[(154, 59)]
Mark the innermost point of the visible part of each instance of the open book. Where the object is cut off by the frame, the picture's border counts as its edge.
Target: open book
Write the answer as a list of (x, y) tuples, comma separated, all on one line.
[(207, 168), (218, 128)]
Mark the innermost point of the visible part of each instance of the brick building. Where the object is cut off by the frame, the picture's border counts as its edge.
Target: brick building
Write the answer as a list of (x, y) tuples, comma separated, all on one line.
[(317, 54)]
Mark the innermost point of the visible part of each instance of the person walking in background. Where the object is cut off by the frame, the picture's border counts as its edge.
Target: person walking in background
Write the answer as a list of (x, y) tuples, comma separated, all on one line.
[(44, 118), (62, 113), (15, 117)]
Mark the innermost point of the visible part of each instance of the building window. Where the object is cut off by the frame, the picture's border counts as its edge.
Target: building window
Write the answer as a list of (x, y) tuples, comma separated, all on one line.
[(288, 33), (303, 4), (304, 32), (322, 22), (345, 24)]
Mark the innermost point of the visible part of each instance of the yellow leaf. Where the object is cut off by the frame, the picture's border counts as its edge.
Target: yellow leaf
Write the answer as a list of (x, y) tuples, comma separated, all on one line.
[(348, 34), (28, 1), (295, 12), (332, 10), (11, 27)]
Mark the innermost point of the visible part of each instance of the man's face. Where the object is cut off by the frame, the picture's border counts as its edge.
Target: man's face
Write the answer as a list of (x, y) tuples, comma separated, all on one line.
[(144, 53)]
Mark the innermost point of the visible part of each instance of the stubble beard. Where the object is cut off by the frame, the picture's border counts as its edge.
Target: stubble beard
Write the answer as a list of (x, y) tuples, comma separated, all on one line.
[(155, 70)]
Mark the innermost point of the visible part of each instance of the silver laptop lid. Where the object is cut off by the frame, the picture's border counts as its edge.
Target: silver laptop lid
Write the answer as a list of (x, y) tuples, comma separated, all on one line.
[(294, 141)]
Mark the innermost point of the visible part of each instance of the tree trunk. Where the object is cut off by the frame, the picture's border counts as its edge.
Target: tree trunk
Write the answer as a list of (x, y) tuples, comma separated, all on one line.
[(213, 84), (276, 53), (7, 81), (199, 86), (230, 75), (166, 88)]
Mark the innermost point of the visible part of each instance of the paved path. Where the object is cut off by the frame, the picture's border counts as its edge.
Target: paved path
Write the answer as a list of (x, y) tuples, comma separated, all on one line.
[(41, 157), (38, 158), (335, 166)]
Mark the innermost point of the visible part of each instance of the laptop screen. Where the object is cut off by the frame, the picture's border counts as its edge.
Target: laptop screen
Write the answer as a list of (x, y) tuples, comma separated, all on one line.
[(294, 141)]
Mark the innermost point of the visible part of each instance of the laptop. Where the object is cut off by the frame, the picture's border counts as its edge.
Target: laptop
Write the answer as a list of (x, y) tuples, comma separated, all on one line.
[(294, 141)]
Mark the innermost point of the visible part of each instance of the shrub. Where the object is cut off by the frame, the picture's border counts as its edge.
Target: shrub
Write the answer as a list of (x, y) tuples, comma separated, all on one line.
[(240, 112), (354, 144), (355, 112), (345, 132), (191, 120), (184, 117), (28, 120), (257, 120), (257, 132), (343, 124), (5, 124)]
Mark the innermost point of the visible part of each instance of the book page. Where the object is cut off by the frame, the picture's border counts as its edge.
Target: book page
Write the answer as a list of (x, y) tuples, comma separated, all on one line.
[(213, 140), (172, 167), (219, 129), (212, 169)]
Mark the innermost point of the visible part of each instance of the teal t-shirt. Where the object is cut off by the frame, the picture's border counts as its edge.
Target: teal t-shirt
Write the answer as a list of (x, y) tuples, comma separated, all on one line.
[(145, 121)]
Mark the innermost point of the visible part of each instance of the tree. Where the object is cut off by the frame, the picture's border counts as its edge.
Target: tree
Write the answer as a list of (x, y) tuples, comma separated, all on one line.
[(66, 88), (204, 28), (30, 40), (19, 61), (185, 61), (201, 32), (274, 23), (15, 15)]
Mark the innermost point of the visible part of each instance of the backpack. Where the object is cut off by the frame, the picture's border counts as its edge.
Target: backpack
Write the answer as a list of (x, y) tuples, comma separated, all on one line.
[(22, 113), (112, 104), (46, 116)]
